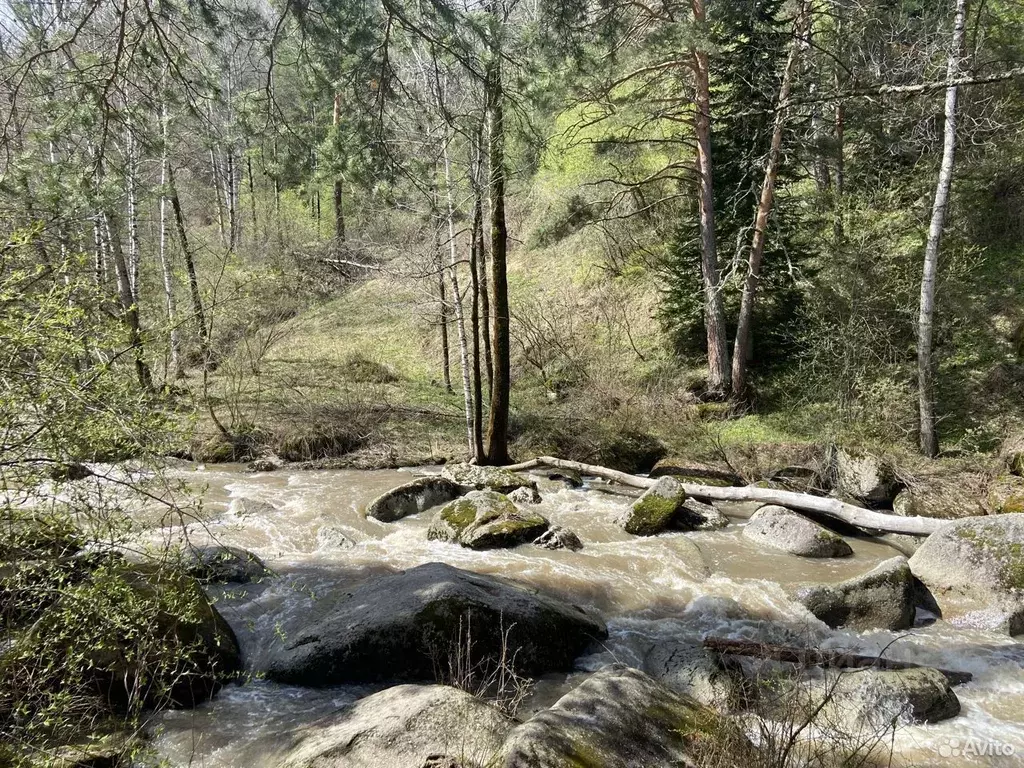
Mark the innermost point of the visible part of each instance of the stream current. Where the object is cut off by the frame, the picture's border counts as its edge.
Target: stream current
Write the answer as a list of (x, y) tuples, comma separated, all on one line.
[(309, 528)]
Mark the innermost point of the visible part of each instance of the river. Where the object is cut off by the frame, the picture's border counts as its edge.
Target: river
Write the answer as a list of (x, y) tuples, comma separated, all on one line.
[(309, 528)]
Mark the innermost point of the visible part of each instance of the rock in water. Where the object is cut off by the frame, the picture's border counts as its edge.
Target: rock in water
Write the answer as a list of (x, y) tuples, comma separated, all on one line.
[(220, 564), (525, 495), (689, 669), (407, 726), (863, 476), (655, 509), (471, 477), (695, 515), (878, 698), (883, 598), (557, 537), (404, 626), (780, 528), (486, 520), (422, 493), (621, 718), (977, 564)]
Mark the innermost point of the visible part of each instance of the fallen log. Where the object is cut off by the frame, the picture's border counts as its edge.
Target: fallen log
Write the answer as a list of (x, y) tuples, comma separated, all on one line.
[(801, 502), (815, 657)]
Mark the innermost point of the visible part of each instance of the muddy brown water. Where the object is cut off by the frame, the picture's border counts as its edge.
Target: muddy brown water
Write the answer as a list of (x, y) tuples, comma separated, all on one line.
[(310, 529)]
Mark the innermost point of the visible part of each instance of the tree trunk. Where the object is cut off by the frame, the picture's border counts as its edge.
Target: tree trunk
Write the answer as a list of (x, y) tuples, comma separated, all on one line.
[(129, 309), (190, 268), (134, 246), (460, 322), (339, 211), (252, 197), (165, 258), (815, 657), (218, 190), (823, 505), (476, 245), (925, 325), (742, 348), (497, 426), (231, 196), (714, 311), (442, 299)]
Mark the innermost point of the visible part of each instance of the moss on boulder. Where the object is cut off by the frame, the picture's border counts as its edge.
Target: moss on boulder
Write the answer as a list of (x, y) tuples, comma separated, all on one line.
[(653, 512), (486, 520)]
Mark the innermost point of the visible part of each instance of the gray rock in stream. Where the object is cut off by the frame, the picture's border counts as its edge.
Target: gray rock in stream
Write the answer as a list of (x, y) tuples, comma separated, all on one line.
[(470, 477), (975, 566), (883, 598), (486, 520), (780, 528), (695, 515), (687, 668), (655, 509), (416, 496), (877, 698), (404, 626), (622, 718), (557, 537), (407, 726), (221, 564)]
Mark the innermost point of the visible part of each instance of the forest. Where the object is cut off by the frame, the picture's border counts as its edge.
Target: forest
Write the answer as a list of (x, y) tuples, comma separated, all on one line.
[(633, 282)]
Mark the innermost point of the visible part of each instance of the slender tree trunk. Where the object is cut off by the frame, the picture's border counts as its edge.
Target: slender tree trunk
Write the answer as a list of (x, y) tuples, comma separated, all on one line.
[(98, 266), (744, 328), (134, 247), (442, 299), (199, 315), (230, 197), (252, 197), (497, 426), (480, 272), (339, 210), (714, 310), (476, 246), (165, 257), (129, 309), (925, 323), (460, 321), (218, 189)]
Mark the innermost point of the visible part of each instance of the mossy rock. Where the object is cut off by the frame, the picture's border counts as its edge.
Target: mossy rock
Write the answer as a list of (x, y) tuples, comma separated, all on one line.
[(653, 512), (1005, 495), (782, 529), (474, 477), (622, 717), (976, 565), (411, 498), (486, 520)]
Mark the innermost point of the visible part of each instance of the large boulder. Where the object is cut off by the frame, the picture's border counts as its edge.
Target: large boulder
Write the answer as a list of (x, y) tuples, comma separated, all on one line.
[(486, 520), (654, 510), (621, 718), (406, 726), (156, 638), (884, 597), (976, 566), (470, 477), (1012, 454), (404, 626), (878, 698), (416, 496), (1005, 495), (222, 564), (689, 669), (863, 476), (696, 515), (780, 528), (947, 497)]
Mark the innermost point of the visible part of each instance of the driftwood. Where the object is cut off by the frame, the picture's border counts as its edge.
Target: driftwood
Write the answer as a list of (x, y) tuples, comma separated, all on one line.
[(801, 502), (814, 657)]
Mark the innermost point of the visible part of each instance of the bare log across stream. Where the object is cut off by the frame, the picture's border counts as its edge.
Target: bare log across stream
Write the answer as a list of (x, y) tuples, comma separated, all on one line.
[(862, 518), (814, 657)]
